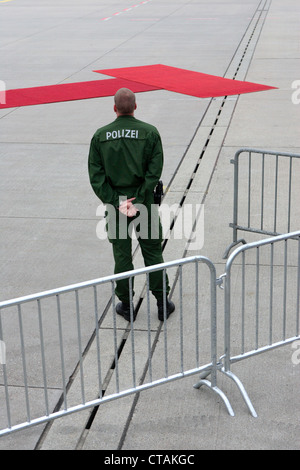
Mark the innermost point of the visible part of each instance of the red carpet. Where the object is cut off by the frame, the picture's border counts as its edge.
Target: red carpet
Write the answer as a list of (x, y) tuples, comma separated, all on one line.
[(69, 92), (184, 81), (138, 79)]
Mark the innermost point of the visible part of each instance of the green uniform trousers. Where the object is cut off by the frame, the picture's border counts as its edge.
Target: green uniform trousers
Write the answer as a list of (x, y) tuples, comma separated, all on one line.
[(150, 241)]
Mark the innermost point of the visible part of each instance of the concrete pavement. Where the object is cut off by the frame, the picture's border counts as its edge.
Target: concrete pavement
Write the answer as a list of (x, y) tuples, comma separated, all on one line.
[(48, 210)]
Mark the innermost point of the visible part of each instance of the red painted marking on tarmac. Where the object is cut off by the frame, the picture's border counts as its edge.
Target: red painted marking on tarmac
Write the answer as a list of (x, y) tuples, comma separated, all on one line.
[(107, 18)]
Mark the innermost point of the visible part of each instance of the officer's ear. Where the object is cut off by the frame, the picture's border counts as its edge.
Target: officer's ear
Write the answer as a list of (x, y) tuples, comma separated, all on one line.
[(115, 108)]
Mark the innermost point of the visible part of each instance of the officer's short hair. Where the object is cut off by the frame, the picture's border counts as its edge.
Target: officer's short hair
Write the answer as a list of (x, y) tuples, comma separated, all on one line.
[(125, 101)]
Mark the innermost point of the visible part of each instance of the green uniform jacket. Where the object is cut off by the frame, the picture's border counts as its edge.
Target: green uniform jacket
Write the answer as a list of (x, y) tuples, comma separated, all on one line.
[(125, 159)]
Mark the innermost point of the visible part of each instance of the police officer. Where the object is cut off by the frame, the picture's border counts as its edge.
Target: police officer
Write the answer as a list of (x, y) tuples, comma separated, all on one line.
[(125, 164)]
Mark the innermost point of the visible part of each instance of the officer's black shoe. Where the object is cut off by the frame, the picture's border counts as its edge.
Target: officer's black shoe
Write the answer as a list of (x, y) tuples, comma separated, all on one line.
[(123, 309), (170, 307)]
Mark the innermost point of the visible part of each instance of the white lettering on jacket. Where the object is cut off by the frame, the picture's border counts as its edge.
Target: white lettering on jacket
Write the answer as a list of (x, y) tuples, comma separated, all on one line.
[(127, 133)]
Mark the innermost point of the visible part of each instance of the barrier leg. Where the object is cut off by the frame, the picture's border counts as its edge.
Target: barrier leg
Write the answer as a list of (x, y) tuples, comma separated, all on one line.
[(214, 388), (242, 390), (218, 391)]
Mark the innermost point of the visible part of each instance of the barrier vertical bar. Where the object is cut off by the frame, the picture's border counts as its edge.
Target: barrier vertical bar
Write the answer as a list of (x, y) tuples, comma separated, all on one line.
[(97, 341), (181, 317), (197, 312), (79, 346), (114, 313), (24, 362), (276, 194), (262, 192), (213, 325), (284, 291), (249, 188), (132, 331), (290, 196), (243, 301), (271, 293), (8, 413), (43, 356), (227, 316), (298, 295), (149, 327), (235, 196), (165, 321), (62, 359), (257, 298)]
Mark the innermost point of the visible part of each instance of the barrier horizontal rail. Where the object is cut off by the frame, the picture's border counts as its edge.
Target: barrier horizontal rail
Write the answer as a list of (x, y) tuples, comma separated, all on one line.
[(48, 336)]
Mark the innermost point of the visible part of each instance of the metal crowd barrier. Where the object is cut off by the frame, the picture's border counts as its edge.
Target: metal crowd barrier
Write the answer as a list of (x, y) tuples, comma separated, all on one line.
[(267, 184), (44, 337), (264, 307)]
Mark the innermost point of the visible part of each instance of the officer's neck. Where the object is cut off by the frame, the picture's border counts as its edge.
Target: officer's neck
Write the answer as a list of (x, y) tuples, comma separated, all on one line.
[(124, 115)]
